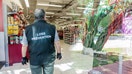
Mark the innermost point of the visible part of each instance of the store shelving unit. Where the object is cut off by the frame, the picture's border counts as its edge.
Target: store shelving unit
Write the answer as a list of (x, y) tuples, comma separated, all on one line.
[(69, 36), (16, 23)]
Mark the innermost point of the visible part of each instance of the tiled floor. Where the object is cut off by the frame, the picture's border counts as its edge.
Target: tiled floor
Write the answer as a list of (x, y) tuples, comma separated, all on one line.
[(73, 62), (114, 68)]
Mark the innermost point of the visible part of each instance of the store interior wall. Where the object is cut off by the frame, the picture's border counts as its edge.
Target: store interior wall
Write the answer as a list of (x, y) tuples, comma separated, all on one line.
[(2, 52), (3, 34), (5, 11)]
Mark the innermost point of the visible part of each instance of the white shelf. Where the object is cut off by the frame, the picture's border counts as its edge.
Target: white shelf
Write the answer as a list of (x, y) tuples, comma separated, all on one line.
[(10, 13)]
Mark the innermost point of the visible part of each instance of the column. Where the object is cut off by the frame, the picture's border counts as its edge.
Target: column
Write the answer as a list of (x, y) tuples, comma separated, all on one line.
[(2, 52)]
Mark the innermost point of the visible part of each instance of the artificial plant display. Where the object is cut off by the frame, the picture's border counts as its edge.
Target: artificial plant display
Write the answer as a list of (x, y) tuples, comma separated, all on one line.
[(93, 23)]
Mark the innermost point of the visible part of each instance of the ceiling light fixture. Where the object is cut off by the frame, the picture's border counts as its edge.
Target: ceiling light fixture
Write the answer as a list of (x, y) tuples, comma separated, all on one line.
[(78, 20), (50, 13), (52, 5), (27, 3), (47, 16), (73, 14), (65, 17), (85, 8), (81, 8), (82, 18)]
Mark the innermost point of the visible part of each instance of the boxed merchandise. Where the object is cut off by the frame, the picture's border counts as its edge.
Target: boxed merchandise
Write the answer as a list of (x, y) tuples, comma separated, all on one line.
[(15, 29), (10, 31)]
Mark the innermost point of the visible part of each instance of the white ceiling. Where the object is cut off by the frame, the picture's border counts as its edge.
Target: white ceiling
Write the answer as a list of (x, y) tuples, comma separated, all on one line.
[(59, 11), (68, 6)]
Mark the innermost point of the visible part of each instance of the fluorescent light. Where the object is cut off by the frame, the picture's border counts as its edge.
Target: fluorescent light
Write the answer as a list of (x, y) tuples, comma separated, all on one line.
[(85, 8), (77, 20), (82, 18), (65, 17), (72, 14), (52, 5), (50, 13), (81, 8), (47, 16), (27, 3)]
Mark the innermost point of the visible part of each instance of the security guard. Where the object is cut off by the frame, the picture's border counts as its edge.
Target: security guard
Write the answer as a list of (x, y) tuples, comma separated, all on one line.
[(40, 38)]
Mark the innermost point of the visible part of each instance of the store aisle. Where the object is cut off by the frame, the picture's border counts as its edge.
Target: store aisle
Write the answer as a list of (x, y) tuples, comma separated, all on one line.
[(73, 62)]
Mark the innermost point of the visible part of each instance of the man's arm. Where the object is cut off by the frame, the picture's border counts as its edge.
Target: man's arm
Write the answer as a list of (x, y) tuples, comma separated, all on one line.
[(24, 58), (24, 50), (57, 45), (58, 49)]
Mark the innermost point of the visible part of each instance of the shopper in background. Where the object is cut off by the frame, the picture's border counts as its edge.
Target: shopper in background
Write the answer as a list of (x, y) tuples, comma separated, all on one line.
[(76, 34), (40, 38)]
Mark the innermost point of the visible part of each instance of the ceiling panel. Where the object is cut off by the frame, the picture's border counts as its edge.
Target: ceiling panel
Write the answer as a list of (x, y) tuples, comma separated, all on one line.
[(45, 2), (54, 8), (54, 1), (42, 7), (67, 6)]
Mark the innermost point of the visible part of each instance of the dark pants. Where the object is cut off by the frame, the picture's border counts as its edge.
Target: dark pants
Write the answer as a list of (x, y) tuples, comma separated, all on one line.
[(43, 69)]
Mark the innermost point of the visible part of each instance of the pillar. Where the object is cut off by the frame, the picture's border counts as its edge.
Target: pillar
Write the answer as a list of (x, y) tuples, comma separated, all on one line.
[(3, 32)]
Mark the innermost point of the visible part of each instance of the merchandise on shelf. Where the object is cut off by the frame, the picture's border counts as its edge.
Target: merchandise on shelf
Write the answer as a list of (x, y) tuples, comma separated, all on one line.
[(69, 35), (14, 39), (13, 29), (16, 24)]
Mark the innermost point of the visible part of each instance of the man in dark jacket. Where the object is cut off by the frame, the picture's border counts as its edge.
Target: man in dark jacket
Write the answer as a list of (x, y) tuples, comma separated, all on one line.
[(40, 38)]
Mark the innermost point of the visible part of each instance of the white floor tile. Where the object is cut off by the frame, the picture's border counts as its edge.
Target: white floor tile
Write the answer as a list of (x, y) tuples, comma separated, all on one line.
[(73, 62)]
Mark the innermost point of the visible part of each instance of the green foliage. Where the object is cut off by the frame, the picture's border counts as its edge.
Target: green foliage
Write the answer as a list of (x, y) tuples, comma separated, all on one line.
[(101, 18), (95, 62), (104, 63), (114, 58), (110, 60), (115, 50), (105, 21), (129, 1), (93, 24)]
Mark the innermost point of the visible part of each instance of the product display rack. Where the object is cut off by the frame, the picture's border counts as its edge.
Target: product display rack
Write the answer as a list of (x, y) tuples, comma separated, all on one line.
[(16, 24), (69, 36), (13, 28)]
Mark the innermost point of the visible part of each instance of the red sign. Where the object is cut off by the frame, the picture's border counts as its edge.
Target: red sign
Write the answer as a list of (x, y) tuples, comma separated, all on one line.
[(1, 17)]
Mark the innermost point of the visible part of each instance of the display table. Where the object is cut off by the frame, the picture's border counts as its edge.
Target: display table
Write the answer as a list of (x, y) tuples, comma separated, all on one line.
[(15, 55)]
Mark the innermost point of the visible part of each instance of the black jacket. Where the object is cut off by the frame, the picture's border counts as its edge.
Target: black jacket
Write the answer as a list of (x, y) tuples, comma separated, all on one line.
[(40, 36)]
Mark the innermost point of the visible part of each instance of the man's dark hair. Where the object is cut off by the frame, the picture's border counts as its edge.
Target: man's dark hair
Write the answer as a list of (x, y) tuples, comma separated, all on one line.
[(39, 14)]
